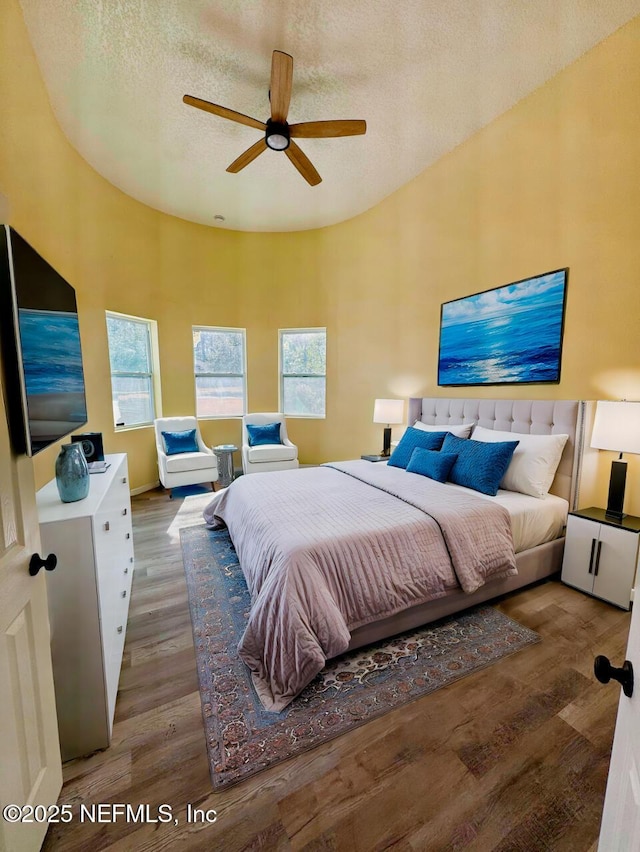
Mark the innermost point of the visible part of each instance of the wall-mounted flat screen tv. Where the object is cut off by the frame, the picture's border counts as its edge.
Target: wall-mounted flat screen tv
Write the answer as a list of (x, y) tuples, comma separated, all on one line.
[(41, 347), (508, 335)]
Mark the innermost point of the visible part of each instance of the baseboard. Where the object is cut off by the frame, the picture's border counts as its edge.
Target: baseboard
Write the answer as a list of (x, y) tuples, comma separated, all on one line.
[(142, 488)]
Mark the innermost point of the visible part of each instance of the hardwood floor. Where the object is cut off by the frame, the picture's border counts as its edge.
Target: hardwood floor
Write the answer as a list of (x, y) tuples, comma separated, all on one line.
[(513, 758)]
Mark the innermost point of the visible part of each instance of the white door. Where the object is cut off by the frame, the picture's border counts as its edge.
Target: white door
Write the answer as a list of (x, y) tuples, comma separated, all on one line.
[(30, 767), (620, 830)]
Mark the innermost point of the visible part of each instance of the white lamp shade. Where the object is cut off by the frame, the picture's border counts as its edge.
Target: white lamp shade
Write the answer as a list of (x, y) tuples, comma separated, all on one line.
[(617, 427), (388, 411)]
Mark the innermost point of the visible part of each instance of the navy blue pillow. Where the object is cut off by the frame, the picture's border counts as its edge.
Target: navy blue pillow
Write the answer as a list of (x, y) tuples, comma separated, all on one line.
[(267, 434), (181, 442), (479, 465), (435, 465), (411, 439)]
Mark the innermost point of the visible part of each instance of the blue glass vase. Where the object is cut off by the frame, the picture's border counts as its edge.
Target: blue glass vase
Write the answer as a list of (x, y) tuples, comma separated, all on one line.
[(72, 473)]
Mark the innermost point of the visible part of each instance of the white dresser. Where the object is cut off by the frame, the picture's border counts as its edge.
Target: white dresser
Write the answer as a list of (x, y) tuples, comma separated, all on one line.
[(88, 602)]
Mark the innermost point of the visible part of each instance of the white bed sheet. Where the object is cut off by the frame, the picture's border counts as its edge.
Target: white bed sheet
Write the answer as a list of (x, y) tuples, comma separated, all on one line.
[(534, 520)]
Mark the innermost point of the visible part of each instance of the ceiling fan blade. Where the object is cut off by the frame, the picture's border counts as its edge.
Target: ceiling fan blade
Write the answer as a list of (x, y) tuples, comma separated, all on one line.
[(280, 87), (303, 164), (326, 129), (223, 112), (248, 156)]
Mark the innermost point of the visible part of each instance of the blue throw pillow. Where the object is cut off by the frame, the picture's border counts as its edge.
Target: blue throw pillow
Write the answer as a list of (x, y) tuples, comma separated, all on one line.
[(479, 465), (181, 442), (435, 465), (411, 439), (267, 434)]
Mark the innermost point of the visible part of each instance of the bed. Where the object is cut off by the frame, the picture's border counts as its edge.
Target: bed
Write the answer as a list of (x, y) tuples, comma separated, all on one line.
[(348, 553)]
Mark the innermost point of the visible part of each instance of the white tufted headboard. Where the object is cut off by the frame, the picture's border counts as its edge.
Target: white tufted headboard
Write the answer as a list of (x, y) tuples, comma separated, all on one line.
[(527, 416)]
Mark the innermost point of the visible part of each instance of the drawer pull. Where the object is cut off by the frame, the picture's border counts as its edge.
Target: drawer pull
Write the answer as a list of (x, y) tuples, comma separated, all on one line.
[(128, 535), (124, 593), (124, 511), (131, 559), (120, 629), (124, 479), (126, 570), (107, 526)]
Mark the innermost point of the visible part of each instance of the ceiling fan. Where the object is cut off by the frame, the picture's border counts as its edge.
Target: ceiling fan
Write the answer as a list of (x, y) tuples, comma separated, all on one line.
[(278, 134)]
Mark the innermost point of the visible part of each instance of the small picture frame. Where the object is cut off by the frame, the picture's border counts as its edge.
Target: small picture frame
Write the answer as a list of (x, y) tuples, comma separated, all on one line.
[(91, 445)]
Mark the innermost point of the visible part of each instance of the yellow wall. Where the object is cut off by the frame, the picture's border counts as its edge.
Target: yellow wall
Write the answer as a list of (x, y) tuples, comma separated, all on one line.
[(554, 182)]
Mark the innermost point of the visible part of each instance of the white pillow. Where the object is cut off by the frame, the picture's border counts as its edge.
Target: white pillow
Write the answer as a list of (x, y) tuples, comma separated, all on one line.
[(460, 430), (534, 462)]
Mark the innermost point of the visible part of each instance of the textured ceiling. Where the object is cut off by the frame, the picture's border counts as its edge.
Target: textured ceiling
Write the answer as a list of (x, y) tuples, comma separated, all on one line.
[(424, 74)]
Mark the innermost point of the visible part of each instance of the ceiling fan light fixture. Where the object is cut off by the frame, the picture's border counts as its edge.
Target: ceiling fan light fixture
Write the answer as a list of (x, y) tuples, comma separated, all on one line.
[(277, 135), (277, 130)]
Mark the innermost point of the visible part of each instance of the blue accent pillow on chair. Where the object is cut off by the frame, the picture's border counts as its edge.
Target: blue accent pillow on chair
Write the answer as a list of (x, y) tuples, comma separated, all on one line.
[(181, 442), (267, 434), (411, 439), (476, 467), (435, 465)]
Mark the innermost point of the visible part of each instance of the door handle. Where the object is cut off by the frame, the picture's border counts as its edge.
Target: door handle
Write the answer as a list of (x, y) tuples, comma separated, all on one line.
[(37, 562), (604, 672), (596, 567)]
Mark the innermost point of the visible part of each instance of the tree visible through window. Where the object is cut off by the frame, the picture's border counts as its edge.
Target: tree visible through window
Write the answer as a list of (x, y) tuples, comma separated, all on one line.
[(220, 371), (131, 360), (303, 366)]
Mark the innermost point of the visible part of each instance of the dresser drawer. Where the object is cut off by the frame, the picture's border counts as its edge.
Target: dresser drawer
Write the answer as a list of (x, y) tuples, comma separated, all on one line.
[(113, 637)]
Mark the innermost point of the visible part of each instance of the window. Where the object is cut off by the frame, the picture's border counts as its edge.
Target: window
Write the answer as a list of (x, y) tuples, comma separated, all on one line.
[(219, 365), (303, 366), (134, 369)]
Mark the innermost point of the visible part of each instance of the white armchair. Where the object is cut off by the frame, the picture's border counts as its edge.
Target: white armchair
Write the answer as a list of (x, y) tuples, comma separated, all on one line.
[(190, 468), (267, 457)]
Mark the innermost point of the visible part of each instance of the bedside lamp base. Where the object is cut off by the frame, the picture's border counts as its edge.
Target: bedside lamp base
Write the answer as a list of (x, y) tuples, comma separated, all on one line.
[(617, 482)]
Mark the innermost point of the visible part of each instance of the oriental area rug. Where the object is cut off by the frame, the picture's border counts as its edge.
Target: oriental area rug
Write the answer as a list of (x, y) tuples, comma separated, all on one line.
[(243, 738)]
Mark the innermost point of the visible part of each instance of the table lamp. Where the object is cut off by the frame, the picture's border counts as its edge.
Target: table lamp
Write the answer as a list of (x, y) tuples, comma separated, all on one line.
[(617, 427), (388, 411)]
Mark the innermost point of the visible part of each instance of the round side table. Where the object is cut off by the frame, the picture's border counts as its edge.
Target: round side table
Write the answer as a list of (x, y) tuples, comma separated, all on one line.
[(224, 455)]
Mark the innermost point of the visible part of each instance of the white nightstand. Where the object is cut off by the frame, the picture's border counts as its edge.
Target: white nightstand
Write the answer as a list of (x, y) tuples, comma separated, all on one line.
[(601, 555)]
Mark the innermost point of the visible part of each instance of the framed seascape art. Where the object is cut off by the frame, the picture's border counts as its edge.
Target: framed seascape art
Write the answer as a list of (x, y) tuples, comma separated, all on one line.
[(504, 336)]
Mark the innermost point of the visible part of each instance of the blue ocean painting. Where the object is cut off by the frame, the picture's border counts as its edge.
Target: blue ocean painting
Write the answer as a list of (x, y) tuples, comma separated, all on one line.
[(507, 335), (52, 358)]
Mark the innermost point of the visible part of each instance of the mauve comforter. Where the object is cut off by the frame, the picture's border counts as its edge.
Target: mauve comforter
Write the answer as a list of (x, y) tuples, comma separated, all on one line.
[(327, 549)]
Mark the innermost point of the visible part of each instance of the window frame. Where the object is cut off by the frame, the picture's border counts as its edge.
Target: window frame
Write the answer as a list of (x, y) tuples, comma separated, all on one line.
[(213, 375), (154, 361), (281, 374)]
